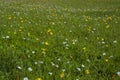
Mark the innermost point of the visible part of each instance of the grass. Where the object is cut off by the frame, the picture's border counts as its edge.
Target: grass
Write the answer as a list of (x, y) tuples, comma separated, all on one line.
[(59, 40)]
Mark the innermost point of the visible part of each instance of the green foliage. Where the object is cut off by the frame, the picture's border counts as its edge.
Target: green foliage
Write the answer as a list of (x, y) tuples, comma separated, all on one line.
[(59, 40)]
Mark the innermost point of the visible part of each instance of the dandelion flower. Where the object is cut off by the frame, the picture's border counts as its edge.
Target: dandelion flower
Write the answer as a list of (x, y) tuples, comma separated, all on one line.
[(43, 50), (46, 43), (62, 75), (49, 30), (87, 71), (84, 48), (39, 78), (51, 33), (107, 26), (106, 60)]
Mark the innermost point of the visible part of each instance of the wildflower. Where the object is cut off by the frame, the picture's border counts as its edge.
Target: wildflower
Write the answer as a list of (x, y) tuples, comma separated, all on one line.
[(41, 62), (84, 48), (78, 69), (87, 71), (59, 59), (46, 43), (57, 66), (39, 78), (33, 52), (53, 64), (62, 75), (107, 26), (43, 50), (7, 37), (103, 42), (106, 60), (28, 34), (88, 60), (10, 18), (114, 41), (106, 45), (49, 30), (83, 65), (25, 78), (21, 21), (102, 39), (51, 33), (63, 70), (37, 39), (50, 73), (104, 54), (30, 69), (98, 38), (19, 67), (36, 62), (118, 73), (15, 32)]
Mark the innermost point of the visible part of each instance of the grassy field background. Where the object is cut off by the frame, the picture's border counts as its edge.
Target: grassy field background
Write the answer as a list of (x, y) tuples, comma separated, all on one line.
[(59, 39)]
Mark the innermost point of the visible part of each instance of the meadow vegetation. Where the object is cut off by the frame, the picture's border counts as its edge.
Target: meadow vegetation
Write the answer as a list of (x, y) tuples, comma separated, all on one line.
[(59, 39)]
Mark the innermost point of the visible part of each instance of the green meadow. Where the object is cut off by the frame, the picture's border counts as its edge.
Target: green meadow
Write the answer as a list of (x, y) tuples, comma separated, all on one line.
[(59, 39)]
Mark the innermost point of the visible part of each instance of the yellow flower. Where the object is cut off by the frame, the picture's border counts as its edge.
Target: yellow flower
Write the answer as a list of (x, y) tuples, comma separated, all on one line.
[(49, 30), (107, 45), (46, 43), (28, 34), (106, 60), (43, 50), (62, 75), (107, 26), (51, 33), (9, 18), (84, 48), (87, 71), (37, 39), (15, 32), (39, 79), (102, 39)]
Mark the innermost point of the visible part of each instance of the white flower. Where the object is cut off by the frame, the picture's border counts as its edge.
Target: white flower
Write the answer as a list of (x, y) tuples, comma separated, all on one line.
[(36, 62), (25, 78), (114, 41), (104, 54), (88, 60), (83, 65), (19, 67), (41, 62), (7, 37), (78, 69), (118, 73), (59, 59), (3, 37), (66, 48), (64, 42), (56, 66), (63, 70), (68, 62), (33, 52), (50, 73), (70, 31), (103, 42), (52, 64), (29, 69)]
